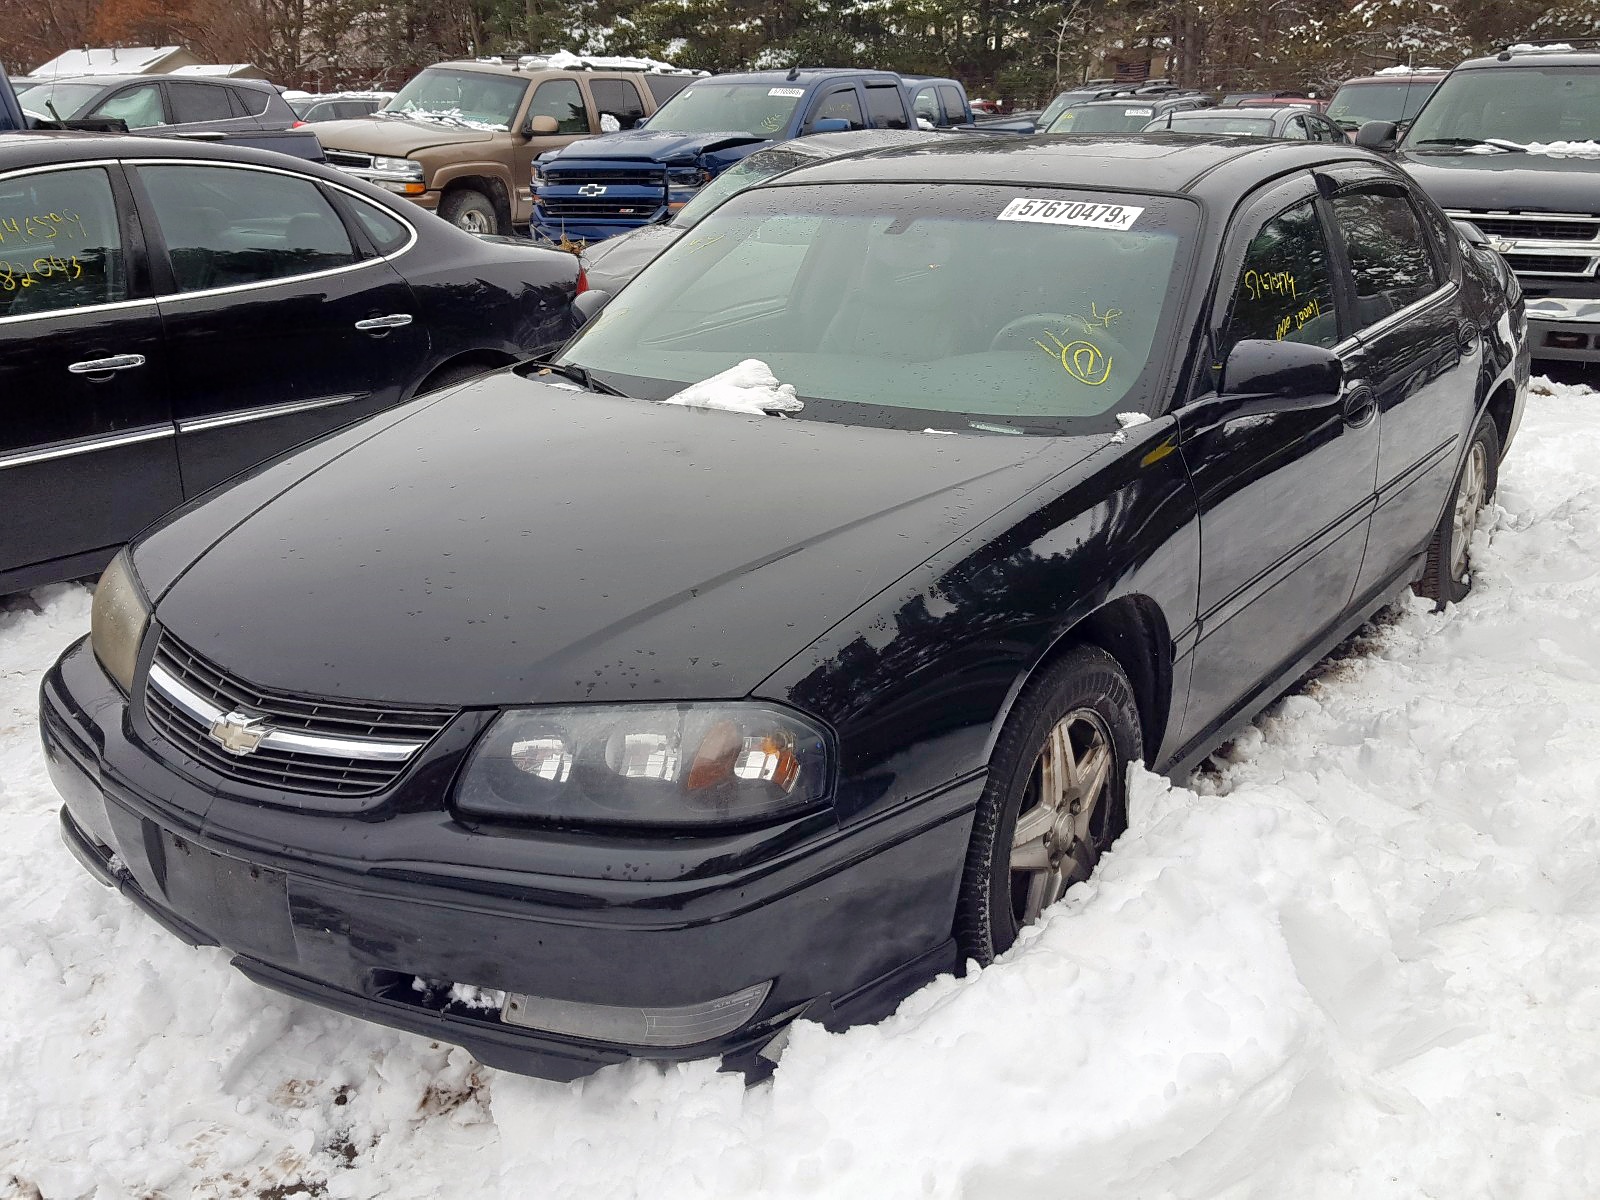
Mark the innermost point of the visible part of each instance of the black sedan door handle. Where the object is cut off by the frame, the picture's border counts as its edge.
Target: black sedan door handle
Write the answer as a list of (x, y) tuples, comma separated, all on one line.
[(381, 325), (1359, 407), (104, 366)]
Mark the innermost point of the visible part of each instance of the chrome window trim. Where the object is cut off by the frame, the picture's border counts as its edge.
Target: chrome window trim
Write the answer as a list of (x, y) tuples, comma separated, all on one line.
[(208, 714), (135, 163), (90, 445), (244, 416), (1402, 314)]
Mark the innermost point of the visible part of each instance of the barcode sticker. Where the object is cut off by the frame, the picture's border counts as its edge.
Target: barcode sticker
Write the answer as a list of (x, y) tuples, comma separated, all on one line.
[(786, 91), (1071, 212), (1138, 112)]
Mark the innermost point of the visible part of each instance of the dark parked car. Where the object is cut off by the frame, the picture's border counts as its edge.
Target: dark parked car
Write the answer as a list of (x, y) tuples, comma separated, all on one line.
[(166, 324), (1126, 114), (1291, 121), (610, 264), (570, 726), (1397, 98), (239, 111), (338, 106)]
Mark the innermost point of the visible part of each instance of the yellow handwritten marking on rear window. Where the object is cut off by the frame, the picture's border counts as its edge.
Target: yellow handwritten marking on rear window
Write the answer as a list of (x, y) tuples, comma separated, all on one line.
[(41, 227), (1272, 283), (14, 276), (1084, 361)]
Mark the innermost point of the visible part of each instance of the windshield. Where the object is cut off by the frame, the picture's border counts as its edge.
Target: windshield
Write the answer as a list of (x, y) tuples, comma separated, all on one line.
[(1220, 123), (1000, 309), (1521, 104), (758, 109), (1357, 103), (1103, 118), (764, 164), (66, 98), (1060, 104), (472, 99)]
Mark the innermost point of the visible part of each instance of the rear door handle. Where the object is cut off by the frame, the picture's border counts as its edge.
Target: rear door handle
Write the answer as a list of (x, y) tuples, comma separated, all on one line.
[(101, 366), (1359, 407), (393, 321)]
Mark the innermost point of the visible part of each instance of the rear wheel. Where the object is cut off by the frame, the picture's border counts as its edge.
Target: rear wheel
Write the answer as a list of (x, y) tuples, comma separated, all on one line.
[(471, 210), (1055, 800), (1448, 576)]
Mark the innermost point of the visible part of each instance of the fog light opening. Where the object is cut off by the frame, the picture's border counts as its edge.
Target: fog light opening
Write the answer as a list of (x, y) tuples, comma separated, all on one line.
[(627, 1025), (1558, 340)]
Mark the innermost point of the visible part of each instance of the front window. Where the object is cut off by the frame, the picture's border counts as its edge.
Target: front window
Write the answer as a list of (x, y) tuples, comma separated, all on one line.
[(1520, 104), (471, 99), (997, 309), (759, 109), (745, 174), (1103, 118), (1357, 103)]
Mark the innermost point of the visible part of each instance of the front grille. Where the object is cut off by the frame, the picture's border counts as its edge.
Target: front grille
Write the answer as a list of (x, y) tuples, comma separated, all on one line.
[(610, 176), (595, 208), (1570, 265), (293, 771), (1538, 228), (348, 159)]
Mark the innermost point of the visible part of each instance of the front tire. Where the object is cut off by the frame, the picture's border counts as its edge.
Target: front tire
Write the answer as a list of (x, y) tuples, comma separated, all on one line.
[(1447, 578), (470, 210), (1055, 800)]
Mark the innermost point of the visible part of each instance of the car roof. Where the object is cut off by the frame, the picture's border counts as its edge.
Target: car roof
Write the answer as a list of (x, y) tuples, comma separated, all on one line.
[(259, 85), (1427, 76), (1234, 111), (1532, 57), (49, 147), (1153, 162), (516, 72), (804, 75)]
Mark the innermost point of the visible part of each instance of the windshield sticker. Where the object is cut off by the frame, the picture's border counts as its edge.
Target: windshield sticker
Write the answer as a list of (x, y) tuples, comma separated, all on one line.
[(1117, 217), (794, 92), (1138, 112), (1083, 360)]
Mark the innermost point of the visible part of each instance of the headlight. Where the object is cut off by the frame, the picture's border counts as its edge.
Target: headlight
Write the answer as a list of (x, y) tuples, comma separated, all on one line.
[(117, 620), (660, 765), (680, 177), (397, 168)]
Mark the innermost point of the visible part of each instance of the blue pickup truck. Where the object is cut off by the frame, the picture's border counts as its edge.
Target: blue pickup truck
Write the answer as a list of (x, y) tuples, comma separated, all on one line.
[(619, 181)]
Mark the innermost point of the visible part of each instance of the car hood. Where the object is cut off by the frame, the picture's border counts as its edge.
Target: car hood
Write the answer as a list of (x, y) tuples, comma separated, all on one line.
[(611, 263), (394, 137), (1509, 182), (658, 145), (512, 542)]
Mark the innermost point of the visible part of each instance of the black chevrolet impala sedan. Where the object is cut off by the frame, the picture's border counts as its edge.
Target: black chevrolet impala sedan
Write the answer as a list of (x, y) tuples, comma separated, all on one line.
[(172, 313), (554, 718)]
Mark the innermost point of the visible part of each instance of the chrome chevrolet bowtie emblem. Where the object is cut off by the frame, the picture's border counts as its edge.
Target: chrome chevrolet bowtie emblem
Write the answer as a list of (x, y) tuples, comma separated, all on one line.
[(592, 189), (239, 732)]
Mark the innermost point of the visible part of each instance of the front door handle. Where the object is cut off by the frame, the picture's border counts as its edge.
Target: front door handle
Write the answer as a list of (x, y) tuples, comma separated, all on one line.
[(1360, 406), (102, 366), (393, 321)]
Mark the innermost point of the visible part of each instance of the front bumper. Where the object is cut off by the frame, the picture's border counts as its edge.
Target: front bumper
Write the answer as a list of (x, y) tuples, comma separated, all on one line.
[(1564, 329), (348, 910)]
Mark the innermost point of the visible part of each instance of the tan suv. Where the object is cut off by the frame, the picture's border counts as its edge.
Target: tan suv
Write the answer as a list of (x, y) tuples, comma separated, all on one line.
[(461, 137)]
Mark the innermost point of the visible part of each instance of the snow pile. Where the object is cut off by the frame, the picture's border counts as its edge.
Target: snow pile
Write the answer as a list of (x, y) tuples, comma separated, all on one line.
[(748, 387), (1565, 149), (1130, 419), (1359, 956)]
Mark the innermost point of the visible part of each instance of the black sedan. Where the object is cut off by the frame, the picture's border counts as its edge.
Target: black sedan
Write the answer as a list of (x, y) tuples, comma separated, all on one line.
[(173, 314), (557, 718), (1294, 122)]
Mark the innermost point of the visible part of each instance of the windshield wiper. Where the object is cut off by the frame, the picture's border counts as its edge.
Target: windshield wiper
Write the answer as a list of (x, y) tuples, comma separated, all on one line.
[(1494, 143), (579, 376)]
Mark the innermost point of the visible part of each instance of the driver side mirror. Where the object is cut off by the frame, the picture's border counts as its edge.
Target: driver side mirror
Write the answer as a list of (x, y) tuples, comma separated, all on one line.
[(1377, 135), (588, 305), (829, 125), (540, 127), (1282, 371)]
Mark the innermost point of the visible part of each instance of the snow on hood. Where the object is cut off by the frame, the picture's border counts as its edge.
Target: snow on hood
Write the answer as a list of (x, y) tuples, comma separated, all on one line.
[(1565, 149), (749, 387)]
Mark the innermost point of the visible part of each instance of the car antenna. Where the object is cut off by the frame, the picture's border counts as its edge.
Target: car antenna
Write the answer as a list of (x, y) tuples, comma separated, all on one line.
[(794, 73)]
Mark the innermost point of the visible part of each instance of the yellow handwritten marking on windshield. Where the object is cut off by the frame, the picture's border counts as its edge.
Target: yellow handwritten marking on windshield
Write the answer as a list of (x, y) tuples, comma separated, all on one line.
[(1298, 318), (700, 243), (1097, 319), (1274, 283), (1084, 361)]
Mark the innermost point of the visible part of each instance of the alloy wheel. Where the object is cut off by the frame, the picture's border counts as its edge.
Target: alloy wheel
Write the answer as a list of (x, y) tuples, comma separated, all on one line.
[(1062, 827), (473, 221), (1469, 503)]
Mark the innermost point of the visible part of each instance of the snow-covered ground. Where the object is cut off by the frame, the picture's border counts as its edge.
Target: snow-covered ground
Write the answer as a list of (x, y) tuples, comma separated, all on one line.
[(1360, 957)]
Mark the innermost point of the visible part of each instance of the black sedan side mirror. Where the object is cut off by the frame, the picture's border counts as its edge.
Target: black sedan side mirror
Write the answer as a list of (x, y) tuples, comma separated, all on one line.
[(1282, 371), (1377, 135), (588, 305)]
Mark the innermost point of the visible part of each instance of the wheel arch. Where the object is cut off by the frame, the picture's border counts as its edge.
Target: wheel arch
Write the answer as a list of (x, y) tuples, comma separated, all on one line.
[(1502, 407), (491, 186), (483, 357)]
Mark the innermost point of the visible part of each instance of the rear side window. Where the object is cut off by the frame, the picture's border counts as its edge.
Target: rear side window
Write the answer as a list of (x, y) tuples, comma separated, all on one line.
[(1296, 128), (387, 233), (665, 87), (139, 106), (840, 106), (561, 99), (255, 102), (618, 104), (1284, 292), (954, 110), (1389, 255), (199, 102), (886, 108), (225, 226), (60, 246)]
